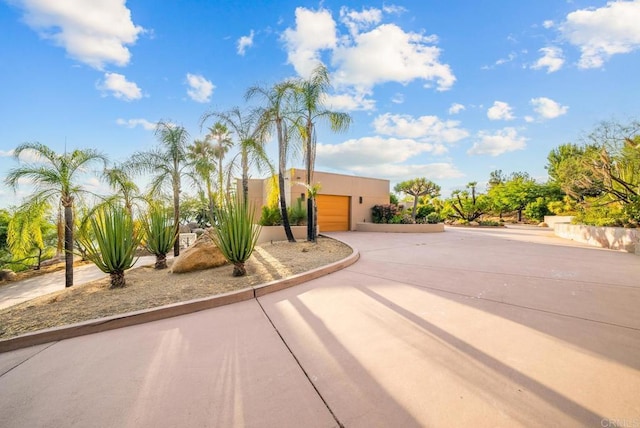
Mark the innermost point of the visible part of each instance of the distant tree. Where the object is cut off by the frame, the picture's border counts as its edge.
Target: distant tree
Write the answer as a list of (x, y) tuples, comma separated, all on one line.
[(417, 187), (220, 137), (275, 114), (201, 155), (26, 230), (56, 178), (515, 193), (166, 164), (251, 135), (125, 188), (467, 204), (496, 178), (570, 166), (309, 109)]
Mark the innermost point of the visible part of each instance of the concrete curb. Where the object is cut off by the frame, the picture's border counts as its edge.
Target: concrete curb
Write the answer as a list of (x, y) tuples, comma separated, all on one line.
[(167, 311)]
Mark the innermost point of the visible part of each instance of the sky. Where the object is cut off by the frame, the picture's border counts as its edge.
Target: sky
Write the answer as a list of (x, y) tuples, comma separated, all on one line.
[(447, 90)]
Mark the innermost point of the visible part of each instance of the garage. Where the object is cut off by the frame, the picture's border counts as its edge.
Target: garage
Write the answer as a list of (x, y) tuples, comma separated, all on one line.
[(333, 213)]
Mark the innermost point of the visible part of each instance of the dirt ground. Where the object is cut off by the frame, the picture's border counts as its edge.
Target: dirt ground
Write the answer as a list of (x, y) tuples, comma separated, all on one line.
[(148, 288)]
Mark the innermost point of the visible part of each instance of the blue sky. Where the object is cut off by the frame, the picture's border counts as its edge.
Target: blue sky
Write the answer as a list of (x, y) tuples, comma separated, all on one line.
[(449, 90)]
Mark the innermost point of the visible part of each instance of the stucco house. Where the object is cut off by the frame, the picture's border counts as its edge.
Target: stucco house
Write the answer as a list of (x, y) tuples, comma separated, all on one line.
[(343, 200)]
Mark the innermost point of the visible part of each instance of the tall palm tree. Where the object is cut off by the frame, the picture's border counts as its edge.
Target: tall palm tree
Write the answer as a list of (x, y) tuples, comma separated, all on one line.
[(56, 178), (275, 114), (201, 155), (223, 143), (310, 109), (251, 138), (167, 164)]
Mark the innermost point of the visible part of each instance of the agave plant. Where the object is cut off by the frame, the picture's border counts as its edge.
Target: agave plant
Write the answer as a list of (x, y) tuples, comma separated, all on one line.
[(160, 234), (114, 242), (235, 233)]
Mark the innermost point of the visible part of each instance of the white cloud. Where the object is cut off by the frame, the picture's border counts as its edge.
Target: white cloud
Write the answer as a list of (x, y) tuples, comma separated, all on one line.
[(315, 30), (200, 89), (548, 23), (120, 87), (389, 54), (456, 108), (6, 154), (497, 143), (245, 42), (399, 172), (500, 111), (352, 101), (93, 32), (551, 59), (359, 21), (603, 32), (529, 119), (426, 128), (132, 123), (397, 98), (548, 108)]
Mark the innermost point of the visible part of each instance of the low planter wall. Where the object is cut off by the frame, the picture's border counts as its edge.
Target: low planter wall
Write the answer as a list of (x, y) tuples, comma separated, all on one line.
[(615, 238), (551, 220), (276, 233), (400, 228)]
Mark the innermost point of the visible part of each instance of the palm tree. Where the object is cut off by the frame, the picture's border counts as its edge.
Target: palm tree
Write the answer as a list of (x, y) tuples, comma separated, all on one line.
[(220, 134), (251, 138), (201, 154), (54, 178), (275, 114), (167, 164), (310, 94), (123, 185)]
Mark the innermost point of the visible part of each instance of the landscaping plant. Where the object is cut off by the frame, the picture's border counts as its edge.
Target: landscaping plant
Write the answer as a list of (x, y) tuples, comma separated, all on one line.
[(115, 242), (236, 234), (160, 234)]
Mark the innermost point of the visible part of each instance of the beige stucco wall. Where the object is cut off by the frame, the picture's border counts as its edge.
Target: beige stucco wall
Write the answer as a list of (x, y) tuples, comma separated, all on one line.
[(616, 238), (373, 191)]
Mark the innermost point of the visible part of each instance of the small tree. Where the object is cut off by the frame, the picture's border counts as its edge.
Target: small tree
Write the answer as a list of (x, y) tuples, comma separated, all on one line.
[(467, 205), (417, 187), (160, 233), (115, 243), (236, 234)]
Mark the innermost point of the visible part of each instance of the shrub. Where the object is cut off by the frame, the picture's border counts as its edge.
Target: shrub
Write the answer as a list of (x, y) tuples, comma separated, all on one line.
[(432, 218), (385, 213), (236, 235), (160, 234), (537, 209), (113, 248), (297, 214), (489, 223), (407, 219), (424, 210), (270, 216)]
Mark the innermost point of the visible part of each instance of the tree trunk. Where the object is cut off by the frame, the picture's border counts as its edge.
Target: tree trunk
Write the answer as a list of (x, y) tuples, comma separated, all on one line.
[(68, 245), (161, 261), (415, 207), (117, 279), (176, 216), (60, 227), (283, 210), (311, 220), (239, 269)]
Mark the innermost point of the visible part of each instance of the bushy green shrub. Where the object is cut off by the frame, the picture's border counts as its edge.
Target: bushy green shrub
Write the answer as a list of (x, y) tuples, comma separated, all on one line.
[(605, 215), (407, 219), (489, 223), (424, 210), (537, 209), (297, 214), (159, 233), (236, 235), (270, 216), (432, 218), (115, 242)]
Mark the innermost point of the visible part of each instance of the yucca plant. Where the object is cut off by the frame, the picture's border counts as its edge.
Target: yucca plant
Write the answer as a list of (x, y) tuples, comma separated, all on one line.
[(235, 233), (114, 242), (160, 233)]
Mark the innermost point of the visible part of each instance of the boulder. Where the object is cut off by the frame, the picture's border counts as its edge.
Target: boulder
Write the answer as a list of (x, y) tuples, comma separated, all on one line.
[(7, 275), (202, 254), (543, 224), (474, 223)]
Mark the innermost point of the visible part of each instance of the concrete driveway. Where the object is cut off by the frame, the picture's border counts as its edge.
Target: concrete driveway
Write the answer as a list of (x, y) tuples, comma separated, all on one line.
[(471, 327)]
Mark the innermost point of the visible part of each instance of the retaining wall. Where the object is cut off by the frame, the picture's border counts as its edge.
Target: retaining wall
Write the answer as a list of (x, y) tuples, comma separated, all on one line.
[(615, 238)]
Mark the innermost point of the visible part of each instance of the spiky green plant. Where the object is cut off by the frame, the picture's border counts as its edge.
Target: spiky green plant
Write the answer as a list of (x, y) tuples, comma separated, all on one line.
[(114, 245), (236, 234), (160, 233)]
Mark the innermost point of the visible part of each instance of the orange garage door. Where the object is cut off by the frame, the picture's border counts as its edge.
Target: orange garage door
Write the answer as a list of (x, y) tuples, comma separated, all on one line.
[(333, 213)]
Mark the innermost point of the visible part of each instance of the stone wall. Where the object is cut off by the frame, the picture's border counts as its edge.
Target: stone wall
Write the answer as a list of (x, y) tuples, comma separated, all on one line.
[(615, 238), (551, 220)]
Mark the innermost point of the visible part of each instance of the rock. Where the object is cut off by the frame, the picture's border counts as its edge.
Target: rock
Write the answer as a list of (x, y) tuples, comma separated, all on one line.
[(543, 224), (7, 275), (474, 223), (202, 254), (184, 228)]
